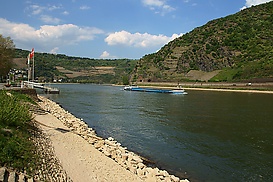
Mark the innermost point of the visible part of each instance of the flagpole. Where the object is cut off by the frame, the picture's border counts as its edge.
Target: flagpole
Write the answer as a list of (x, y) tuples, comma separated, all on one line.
[(31, 56), (28, 68), (33, 69)]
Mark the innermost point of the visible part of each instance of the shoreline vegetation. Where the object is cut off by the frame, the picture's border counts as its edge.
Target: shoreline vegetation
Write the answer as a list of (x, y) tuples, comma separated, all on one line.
[(26, 152)]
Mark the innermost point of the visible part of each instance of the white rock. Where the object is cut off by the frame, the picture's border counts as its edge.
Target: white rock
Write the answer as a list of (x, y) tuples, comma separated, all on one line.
[(140, 172), (124, 156), (164, 173), (99, 144), (137, 159), (174, 178), (185, 180), (140, 165), (111, 139)]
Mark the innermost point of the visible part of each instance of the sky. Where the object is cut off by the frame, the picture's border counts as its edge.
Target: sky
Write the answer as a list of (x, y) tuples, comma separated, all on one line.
[(107, 29)]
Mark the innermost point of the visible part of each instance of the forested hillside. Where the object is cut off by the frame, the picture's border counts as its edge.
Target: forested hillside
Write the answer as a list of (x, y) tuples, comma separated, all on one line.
[(240, 45), (49, 67)]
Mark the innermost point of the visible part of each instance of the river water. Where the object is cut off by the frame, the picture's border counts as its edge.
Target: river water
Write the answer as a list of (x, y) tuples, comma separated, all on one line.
[(203, 136)]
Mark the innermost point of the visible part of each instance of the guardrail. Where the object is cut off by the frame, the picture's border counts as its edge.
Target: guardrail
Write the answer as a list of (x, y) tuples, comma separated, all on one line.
[(47, 89)]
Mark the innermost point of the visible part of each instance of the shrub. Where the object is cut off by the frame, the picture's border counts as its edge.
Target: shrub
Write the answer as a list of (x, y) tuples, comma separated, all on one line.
[(17, 150)]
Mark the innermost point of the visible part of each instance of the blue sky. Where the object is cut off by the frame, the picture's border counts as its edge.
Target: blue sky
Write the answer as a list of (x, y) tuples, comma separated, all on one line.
[(107, 28)]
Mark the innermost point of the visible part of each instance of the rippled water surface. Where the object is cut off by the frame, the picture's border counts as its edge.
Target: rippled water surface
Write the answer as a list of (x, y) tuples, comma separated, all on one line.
[(204, 136)]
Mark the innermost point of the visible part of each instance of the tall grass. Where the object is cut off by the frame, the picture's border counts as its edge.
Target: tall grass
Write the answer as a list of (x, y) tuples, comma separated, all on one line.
[(16, 147)]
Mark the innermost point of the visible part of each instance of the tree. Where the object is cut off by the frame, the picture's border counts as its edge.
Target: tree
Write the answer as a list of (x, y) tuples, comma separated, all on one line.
[(125, 80), (6, 55)]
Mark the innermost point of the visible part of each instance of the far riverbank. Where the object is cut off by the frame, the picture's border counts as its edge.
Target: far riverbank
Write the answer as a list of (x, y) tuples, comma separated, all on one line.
[(265, 88)]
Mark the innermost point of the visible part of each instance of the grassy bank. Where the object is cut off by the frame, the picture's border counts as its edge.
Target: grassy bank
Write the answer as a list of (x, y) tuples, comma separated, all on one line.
[(16, 129)]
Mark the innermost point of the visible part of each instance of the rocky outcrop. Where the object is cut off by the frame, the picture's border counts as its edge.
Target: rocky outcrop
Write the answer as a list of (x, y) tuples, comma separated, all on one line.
[(109, 147)]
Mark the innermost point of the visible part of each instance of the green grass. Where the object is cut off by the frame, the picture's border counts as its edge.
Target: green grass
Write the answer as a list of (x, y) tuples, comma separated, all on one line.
[(16, 128), (225, 75)]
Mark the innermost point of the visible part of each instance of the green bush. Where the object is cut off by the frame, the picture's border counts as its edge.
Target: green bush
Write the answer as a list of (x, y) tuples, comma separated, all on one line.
[(12, 112), (17, 150)]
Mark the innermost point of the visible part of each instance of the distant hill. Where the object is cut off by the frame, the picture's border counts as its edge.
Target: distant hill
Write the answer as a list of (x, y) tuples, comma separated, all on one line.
[(234, 48), (49, 67)]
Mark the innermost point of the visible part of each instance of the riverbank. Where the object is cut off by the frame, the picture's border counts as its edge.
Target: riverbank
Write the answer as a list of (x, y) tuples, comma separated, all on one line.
[(87, 157), (263, 88)]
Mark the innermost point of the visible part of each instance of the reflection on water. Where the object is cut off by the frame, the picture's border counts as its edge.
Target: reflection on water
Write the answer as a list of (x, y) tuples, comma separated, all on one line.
[(206, 136)]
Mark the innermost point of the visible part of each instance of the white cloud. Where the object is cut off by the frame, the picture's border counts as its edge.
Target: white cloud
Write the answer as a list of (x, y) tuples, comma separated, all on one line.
[(168, 8), (47, 36), (65, 13), (54, 7), (188, 1), (158, 6), (250, 3), (37, 9), (49, 19), (105, 54), (54, 50), (84, 7), (138, 40), (41, 11), (153, 2)]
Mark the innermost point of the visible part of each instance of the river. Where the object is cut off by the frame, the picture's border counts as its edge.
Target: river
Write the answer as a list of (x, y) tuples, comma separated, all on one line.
[(203, 136)]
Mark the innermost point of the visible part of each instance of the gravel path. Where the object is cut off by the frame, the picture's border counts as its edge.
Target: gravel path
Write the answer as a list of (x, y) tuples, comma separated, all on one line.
[(81, 161)]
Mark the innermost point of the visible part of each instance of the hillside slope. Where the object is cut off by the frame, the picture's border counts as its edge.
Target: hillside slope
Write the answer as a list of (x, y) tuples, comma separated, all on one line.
[(49, 67), (240, 45)]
